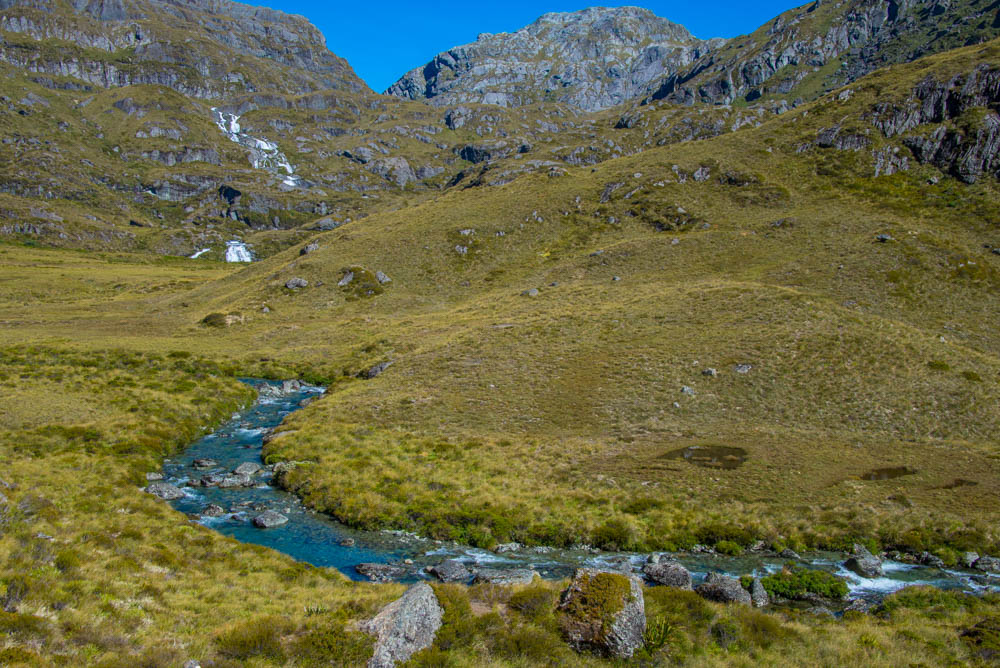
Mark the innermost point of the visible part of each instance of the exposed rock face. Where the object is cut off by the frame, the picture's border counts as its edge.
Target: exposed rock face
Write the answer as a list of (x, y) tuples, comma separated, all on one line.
[(591, 59), (604, 612), (405, 626), (863, 34), (967, 149), (723, 589), (238, 32)]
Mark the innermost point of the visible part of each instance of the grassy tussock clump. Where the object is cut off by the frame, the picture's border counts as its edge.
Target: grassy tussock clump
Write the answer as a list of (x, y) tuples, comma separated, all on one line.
[(797, 583)]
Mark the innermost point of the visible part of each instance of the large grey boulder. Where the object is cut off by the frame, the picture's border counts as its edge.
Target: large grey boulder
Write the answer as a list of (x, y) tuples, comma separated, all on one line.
[(987, 564), (500, 576), (669, 573), (864, 563), (758, 595), (269, 519), (723, 589), (247, 468), (231, 481), (604, 612), (296, 283), (164, 490), (404, 627), (382, 572), (451, 570)]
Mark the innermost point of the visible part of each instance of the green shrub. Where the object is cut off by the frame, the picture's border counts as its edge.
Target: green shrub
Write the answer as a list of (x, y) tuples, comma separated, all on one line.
[(613, 535), (728, 547), (938, 365), (795, 583), (214, 320), (332, 644), (534, 601), (258, 637)]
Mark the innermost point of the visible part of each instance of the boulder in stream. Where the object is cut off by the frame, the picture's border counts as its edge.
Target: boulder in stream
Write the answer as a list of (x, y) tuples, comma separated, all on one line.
[(451, 570), (204, 463), (603, 612), (404, 627), (505, 576), (247, 468), (723, 589), (382, 572), (864, 563), (213, 510), (987, 564), (269, 519), (164, 490), (669, 573)]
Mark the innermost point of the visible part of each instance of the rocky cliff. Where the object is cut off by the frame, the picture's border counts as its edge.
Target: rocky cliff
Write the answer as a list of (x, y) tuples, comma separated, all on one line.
[(591, 59)]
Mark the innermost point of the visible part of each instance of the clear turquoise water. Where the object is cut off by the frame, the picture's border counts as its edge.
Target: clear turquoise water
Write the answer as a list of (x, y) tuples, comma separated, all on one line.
[(315, 539)]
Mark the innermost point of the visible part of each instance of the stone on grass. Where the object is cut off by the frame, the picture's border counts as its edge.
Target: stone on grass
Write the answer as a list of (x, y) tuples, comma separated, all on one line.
[(404, 627), (296, 283), (309, 248), (723, 589), (603, 612), (758, 595), (346, 280), (382, 278)]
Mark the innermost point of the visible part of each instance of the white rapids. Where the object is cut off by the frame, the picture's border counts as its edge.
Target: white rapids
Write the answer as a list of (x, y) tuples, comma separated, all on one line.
[(237, 251), (263, 154)]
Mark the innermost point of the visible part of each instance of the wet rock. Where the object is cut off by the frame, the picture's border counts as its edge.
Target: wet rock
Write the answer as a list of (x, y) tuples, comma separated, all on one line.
[(669, 573), (820, 611), (603, 612), (513, 547), (375, 371), (153, 476), (296, 283), (231, 481), (789, 553), (451, 570), (969, 559), (382, 572), (987, 565), (509, 577), (405, 626), (283, 467), (247, 469), (269, 519), (213, 510), (861, 605), (723, 589), (212, 480), (291, 386), (864, 563), (347, 542), (309, 248), (928, 559), (204, 463), (758, 595), (169, 492)]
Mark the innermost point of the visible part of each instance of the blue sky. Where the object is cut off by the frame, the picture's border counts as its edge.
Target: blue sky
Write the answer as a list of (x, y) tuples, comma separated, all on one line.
[(384, 40)]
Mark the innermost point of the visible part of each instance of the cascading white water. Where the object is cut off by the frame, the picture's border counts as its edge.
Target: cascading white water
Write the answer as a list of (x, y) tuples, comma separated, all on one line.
[(263, 154), (237, 251)]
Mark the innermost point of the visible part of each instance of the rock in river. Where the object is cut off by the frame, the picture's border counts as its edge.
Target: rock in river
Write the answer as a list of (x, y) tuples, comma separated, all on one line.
[(382, 572), (504, 576), (604, 612), (723, 589), (247, 468), (269, 519), (864, 563), (165, 490), (451, 570), (213, 510), (669, 573), (405, 626)]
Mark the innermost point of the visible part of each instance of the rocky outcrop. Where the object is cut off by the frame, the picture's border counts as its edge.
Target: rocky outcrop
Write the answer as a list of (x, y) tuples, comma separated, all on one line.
[(382, 572), (164, 490), (603, 612), (591, 59), (451, 570), (404, 627)]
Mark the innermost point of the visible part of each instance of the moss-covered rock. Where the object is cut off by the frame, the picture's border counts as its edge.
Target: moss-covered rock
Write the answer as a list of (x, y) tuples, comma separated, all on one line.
[(603, 612)]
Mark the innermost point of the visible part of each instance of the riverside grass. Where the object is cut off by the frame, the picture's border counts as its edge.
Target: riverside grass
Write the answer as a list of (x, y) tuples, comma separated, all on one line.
[(555, 410)]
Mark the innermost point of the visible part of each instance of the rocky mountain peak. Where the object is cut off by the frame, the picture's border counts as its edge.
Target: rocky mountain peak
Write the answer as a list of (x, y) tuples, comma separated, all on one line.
[(591, 59)]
